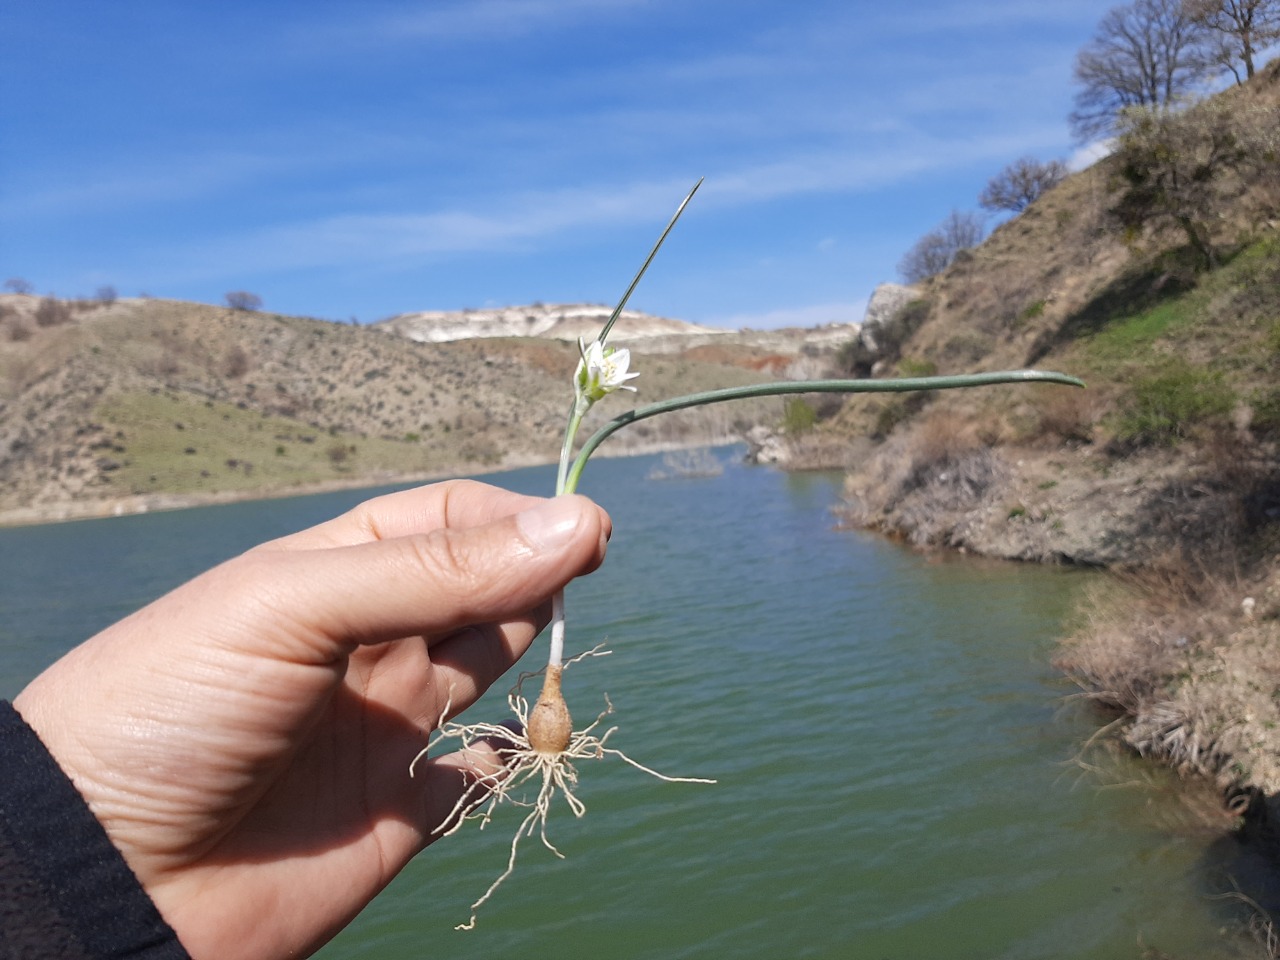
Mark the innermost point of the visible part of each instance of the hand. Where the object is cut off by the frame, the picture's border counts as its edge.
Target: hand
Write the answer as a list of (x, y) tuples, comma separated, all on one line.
[(245, 740)]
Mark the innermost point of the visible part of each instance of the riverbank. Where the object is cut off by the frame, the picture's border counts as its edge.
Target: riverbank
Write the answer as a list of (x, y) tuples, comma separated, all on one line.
[(1179, 650), (71, 509)]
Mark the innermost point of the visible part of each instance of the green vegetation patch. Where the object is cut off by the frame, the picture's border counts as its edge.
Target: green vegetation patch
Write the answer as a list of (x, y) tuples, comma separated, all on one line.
[(1187, 359), (799, 416), (1161, 409), (177, 443), (1124, 339)]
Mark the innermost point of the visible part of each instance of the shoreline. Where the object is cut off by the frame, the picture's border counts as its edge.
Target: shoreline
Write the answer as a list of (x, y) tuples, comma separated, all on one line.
[(126, 505)]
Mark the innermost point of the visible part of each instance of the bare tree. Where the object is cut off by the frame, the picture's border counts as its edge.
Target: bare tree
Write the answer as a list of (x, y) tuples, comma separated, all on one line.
[(243, 300), (1237, 30), (18, 285), (936, 250), (1021, 183), (107, 295), (963, 230), (1147, 54), (1173, 162)]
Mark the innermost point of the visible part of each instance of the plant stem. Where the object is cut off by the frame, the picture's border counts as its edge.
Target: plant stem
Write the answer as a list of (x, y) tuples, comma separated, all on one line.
[(566, 450), (576, 414), (803, 386), (555, 657), (556, 654)]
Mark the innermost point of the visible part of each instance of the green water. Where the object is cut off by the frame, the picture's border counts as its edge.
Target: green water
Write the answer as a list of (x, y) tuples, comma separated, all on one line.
[(890, 743)]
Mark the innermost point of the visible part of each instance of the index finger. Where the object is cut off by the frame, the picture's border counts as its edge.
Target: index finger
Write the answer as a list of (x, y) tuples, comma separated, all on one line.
[(456, 504)]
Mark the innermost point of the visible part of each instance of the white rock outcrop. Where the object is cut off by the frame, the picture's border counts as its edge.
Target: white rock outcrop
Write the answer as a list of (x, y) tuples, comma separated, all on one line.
[(553, 321), (887, 300)]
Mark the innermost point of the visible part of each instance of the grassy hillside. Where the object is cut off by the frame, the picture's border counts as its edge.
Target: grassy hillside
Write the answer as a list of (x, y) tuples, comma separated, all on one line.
[(1166, 468), (150, 398)]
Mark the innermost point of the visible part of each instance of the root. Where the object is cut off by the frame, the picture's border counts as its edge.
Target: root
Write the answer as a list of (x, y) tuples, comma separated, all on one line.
[(549, 773)]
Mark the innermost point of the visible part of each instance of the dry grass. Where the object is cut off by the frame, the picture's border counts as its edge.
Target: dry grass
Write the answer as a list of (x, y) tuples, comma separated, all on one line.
[(1067, 416), (125, 372), (1191, 667)]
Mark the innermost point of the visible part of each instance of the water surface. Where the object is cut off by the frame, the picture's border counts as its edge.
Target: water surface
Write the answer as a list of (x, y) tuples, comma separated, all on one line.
[(889, 742)]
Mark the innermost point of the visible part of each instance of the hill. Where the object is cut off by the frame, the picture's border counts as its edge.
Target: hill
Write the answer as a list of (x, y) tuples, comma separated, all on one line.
[(1164, 469), (141, 404)]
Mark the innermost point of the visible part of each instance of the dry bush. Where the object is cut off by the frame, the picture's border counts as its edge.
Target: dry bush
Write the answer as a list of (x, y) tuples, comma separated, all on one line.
[(1219, 521), (1067, 415), (1191, 669), (236, 363), (51, 312), (1013, 286), (17, 328), (1136, 639), (951, 469), (965, 348), (943, 438)]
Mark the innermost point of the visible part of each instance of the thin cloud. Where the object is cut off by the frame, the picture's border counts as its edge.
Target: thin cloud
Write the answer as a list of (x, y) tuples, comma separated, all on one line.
[(452, 22), (518, 220)]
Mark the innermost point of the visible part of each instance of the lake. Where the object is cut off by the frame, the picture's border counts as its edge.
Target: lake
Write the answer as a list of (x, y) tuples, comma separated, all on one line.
[(892, 749)]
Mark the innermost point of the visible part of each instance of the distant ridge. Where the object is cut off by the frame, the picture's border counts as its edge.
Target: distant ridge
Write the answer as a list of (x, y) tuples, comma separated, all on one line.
[(555, 321)]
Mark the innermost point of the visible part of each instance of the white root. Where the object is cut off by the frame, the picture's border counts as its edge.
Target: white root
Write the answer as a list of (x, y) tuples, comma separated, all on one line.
[(552, 773)]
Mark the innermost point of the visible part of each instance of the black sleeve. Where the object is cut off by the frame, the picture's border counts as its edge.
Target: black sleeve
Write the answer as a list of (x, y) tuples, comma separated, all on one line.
[(65, 892)]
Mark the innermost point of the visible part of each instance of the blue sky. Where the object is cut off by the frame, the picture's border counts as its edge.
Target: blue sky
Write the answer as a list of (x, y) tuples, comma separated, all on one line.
[(361, 159)]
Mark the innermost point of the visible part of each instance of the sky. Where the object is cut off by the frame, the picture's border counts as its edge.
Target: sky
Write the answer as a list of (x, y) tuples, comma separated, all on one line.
[(355, 160)]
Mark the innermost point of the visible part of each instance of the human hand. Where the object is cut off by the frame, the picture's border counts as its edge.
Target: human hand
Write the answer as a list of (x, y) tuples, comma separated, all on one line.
[(245, 740)]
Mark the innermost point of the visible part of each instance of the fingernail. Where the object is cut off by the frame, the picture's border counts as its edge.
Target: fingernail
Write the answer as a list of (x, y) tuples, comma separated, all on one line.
[(550, 525)]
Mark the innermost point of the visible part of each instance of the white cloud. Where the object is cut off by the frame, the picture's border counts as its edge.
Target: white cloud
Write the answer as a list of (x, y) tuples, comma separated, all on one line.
[(508, 222), (1090, 154), (451, 21)]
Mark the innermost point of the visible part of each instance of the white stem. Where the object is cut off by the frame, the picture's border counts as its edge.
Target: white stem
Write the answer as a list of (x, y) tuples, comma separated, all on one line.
[(556, 656)]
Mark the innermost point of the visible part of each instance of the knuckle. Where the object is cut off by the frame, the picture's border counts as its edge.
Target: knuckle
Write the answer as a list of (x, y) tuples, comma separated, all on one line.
[(447, 560)]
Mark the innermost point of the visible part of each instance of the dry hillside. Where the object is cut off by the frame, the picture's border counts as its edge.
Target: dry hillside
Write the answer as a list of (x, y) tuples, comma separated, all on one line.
[(1165, 468), (143, 403)]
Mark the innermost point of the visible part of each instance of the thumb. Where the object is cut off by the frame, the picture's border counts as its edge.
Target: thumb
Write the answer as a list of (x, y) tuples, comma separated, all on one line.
[(427, 584)]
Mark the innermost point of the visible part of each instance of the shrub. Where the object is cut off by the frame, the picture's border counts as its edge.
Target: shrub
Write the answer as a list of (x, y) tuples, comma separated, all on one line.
[(18, 329), (966, 347), (243, 300), (799, 416), (1068, 415), (236, 363), (909, 367), (896, 410), (1033, 310), (943, 437), (51, 312), (1161, 409)]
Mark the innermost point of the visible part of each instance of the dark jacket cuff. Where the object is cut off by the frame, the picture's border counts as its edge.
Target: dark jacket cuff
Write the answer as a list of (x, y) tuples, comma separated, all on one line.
[(65, 890)]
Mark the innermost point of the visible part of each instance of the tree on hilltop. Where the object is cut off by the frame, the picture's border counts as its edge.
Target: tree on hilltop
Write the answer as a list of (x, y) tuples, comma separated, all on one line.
[(937, 249), (243, 300), (1021, 183), (1236, 30), (1147, 54), (1173, 162)]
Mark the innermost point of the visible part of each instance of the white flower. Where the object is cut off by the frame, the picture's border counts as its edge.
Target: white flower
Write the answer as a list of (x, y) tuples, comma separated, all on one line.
[(601, 371)]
